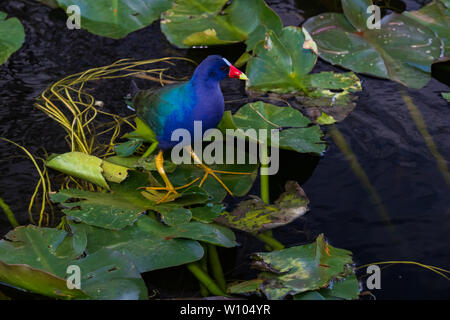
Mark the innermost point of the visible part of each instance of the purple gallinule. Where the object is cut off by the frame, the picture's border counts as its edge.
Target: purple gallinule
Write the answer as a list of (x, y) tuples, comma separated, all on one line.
[(179, 105)]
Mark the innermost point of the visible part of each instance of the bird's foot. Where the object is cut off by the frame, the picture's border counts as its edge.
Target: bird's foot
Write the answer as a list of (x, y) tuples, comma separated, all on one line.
[(153, 193), (212, 172)]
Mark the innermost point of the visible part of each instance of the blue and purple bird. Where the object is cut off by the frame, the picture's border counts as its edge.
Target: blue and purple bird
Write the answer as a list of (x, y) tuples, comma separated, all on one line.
[(179, 105)]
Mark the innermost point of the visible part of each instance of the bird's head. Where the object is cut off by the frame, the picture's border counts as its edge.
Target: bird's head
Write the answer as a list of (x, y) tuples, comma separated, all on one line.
[(217, 68)]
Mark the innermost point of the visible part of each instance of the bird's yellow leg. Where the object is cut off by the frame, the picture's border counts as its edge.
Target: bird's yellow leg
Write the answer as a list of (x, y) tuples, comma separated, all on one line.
[(172, 193), (212, 172)]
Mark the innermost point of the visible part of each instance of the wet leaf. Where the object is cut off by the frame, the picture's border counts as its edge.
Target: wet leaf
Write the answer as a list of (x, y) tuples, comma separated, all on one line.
[(87, 167), (281, 65), (245, 287), (127, 148), (118, 18), (255, 215), (435, 16), (38, 281), (212, 22), (110, 275), (106, 210), (401, 50), (347, 288), (296, 131), (207, 213), (151, 245), (37, 259), (239, 184), (301, 269), (12, 36)]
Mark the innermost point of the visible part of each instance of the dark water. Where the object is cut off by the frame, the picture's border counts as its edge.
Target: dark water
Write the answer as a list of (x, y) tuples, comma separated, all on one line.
[(380, 132)]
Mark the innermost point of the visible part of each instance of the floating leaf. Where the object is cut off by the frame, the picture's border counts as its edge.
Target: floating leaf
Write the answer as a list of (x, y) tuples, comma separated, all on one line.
[(435, 16), (281, 64), (401, 50), (12, 36), (347, 288), (212, 22), (106, 210), (87, 167), (151, 245), (207, 213), (37, 259), (296, 131), (116, 19), (255, 215), (300, 269)]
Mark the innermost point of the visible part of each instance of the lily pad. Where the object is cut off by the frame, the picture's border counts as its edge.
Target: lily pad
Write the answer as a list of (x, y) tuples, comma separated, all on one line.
[(300, 269), (116, 19), (12, 36), (401, 50), (446, 95), (87, 167), (214, 22), (296, 132), (37, 259), (151, 245), (435, 16), (255, 215), (207, 213), (347, 289), (282, 64)]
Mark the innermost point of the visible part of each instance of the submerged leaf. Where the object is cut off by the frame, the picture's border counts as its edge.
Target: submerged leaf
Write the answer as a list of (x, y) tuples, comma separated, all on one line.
[(256, 216), (12, 36), (401, 50), (212, 22)]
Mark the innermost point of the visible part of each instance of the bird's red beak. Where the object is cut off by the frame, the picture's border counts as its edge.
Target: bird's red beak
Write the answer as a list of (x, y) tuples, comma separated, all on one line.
[(236, 73)]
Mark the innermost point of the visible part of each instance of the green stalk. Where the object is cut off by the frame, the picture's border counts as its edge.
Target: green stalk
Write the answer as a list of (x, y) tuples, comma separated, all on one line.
[(205, 279), (204, 265), (267, 238), (216, 267), (264, 177), (9, 213)]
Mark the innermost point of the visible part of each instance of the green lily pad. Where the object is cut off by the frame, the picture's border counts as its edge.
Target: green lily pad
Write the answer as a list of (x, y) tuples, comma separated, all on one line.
[(12, 36), (207, 213), (37, 259), (300, 269), (435, 16), (239, 184), (213, 22), (106, 210), (255, 215), (116, 19), (347, 289), (296, 131), (87, 167), (282, 64), (401, 50), (151, 245), (446, 95)]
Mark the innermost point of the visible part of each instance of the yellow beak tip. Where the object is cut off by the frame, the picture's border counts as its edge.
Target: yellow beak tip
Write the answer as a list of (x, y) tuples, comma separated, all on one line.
[(242, 76)]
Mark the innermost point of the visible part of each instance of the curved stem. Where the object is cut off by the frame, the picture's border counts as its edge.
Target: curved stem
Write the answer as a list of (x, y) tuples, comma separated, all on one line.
[(205, 279), (269, 240), (216, 267)]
